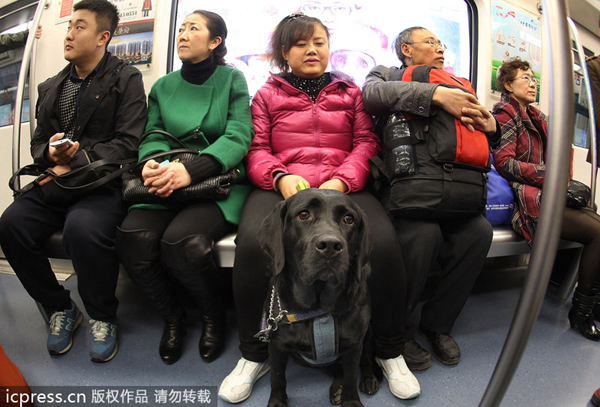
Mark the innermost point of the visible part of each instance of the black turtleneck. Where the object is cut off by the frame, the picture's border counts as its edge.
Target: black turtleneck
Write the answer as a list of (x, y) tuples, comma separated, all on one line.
[(198, 73), (205, 165), (311, 86)]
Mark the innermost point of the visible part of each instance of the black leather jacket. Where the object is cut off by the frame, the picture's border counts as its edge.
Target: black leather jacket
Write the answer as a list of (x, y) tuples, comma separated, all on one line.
[(111, 118)]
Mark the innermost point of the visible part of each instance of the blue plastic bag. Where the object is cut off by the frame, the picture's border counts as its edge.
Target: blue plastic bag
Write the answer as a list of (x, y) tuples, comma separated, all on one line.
[(500, 199)]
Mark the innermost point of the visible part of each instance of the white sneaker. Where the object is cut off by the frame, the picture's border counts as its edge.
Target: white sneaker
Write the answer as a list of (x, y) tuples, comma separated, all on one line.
[(237, 387), (403, 384)]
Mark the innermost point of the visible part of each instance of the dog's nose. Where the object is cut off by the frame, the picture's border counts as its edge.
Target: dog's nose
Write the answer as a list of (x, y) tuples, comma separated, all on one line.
[(329, 245)]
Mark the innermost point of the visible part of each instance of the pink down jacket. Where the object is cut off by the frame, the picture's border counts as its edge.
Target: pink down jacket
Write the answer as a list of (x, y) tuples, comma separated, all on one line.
[(332, 138)]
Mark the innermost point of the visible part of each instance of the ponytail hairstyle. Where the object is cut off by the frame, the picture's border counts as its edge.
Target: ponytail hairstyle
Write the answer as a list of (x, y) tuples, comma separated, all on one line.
[(217, 28)]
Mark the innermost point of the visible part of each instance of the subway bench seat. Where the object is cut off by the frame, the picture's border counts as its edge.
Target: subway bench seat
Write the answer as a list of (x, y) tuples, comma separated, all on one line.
[(506, 242)]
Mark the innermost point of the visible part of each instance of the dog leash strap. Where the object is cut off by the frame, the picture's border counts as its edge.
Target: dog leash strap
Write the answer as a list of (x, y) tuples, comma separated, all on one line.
[(303, 316), (269, 324)]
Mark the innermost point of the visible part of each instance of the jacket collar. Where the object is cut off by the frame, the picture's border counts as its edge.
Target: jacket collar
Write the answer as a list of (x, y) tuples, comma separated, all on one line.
[(337, 79), (109, 66), (532, 112), (528, 115)]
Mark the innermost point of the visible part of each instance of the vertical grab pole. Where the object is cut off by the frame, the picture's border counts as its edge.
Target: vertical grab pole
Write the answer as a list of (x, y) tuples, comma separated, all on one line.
[(553, 202), (25, 63), (592, 116)]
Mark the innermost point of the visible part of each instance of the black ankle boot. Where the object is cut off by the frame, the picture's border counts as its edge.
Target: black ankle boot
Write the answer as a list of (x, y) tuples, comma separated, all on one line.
[(212, 340), (171, 342), (580, 316), (596, 308)]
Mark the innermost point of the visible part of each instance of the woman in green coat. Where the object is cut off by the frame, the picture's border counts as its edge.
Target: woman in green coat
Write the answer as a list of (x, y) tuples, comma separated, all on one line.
[(205, 105)]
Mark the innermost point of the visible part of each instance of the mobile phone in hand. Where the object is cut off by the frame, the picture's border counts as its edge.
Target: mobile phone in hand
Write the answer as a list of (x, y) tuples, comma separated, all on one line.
[(62, 141)]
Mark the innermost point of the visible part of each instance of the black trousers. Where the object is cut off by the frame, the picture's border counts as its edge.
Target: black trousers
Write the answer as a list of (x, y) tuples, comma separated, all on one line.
[(460, 246), (583, 226), (386, 283), (89, 228), (173, 225)]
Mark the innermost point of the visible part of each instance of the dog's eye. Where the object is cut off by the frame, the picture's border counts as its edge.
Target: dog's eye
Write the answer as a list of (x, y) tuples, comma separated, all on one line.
[(349, 219), (303, 215)]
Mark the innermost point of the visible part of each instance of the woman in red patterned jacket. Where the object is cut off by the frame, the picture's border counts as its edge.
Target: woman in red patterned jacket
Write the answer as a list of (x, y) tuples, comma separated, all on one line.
[(311, 129), (521, 158)]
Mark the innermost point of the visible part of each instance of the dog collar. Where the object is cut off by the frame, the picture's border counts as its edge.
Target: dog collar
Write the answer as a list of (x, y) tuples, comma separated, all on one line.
[(269, 322)]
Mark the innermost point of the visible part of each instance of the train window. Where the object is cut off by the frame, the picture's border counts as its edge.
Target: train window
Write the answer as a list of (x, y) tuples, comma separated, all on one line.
[(362, 32), (15, 18), (582, 112)]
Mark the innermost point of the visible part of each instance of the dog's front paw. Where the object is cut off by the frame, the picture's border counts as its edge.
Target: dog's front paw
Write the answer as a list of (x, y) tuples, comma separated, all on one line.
[(369, 385), (352, 403), (276, 402), (335, 393)]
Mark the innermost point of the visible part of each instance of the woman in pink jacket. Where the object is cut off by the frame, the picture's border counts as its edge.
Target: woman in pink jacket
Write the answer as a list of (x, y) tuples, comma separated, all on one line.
[(311, 128)]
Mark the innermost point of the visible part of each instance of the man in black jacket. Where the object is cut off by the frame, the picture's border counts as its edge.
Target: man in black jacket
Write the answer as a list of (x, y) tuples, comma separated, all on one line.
[(99, 104)]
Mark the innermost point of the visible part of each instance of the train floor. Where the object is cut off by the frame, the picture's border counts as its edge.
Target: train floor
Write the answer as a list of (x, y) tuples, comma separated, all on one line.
[(558, 369)]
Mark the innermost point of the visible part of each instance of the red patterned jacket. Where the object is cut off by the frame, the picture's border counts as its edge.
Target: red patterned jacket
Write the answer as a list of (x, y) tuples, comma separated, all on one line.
[(520, 159)]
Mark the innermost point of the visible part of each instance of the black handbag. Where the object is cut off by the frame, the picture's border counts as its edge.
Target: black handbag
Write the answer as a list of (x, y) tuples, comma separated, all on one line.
[(578, 195), (68, 188), (210, 189)]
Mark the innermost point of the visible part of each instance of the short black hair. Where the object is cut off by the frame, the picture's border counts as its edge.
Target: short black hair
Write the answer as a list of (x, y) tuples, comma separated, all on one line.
[(107, 14)]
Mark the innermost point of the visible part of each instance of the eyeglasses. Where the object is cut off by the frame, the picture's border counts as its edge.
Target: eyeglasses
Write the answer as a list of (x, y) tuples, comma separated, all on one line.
[(317, 9), (431, 42), (533, 80)]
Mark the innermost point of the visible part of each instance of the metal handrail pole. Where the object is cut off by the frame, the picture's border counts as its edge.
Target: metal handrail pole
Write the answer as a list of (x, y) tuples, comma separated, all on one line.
[(32, 93), (590, 101), (553, 202), (16, 140)]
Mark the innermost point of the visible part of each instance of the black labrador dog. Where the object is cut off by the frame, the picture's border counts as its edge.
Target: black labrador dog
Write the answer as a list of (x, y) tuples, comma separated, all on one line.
[(319, 308)]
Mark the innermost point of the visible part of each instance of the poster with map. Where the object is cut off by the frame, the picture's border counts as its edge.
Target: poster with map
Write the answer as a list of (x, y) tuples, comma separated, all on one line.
[(515, 34)]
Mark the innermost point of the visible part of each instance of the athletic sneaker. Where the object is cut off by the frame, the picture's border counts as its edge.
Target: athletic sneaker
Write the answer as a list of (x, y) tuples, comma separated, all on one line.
[(62, 325), (237, 387), (403, 384), (103, 340)]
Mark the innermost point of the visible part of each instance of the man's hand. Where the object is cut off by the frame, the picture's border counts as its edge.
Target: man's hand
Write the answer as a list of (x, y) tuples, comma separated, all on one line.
[(58, 170), (479, 118), (61, 155), (454, 101), (286, 185)]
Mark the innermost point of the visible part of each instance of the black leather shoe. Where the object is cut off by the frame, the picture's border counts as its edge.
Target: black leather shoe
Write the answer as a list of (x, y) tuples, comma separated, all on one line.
[(212, 340), (171, 342), (415, 356), (443, 346)]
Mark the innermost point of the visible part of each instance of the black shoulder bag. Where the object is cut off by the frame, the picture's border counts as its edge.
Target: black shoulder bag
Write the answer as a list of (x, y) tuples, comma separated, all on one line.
[(68, 188)]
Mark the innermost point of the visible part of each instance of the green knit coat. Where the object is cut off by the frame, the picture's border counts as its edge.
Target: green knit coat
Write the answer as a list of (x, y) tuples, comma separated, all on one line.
[(213, 117)]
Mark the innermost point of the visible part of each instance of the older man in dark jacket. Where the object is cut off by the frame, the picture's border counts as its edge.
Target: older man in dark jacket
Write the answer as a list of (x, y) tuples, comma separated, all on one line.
[(459, 245), (99, 104)]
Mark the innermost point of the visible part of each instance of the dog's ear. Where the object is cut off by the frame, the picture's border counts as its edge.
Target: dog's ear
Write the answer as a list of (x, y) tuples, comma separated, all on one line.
[(364, 248), (270, 236)]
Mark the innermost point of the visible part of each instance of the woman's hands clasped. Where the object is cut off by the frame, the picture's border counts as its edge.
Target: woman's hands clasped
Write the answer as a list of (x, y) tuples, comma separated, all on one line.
[(163, 179)]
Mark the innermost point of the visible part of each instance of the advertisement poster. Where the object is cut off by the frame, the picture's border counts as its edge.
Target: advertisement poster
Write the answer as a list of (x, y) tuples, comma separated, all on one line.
[(515, 34), (132, 41), (362, 32)]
